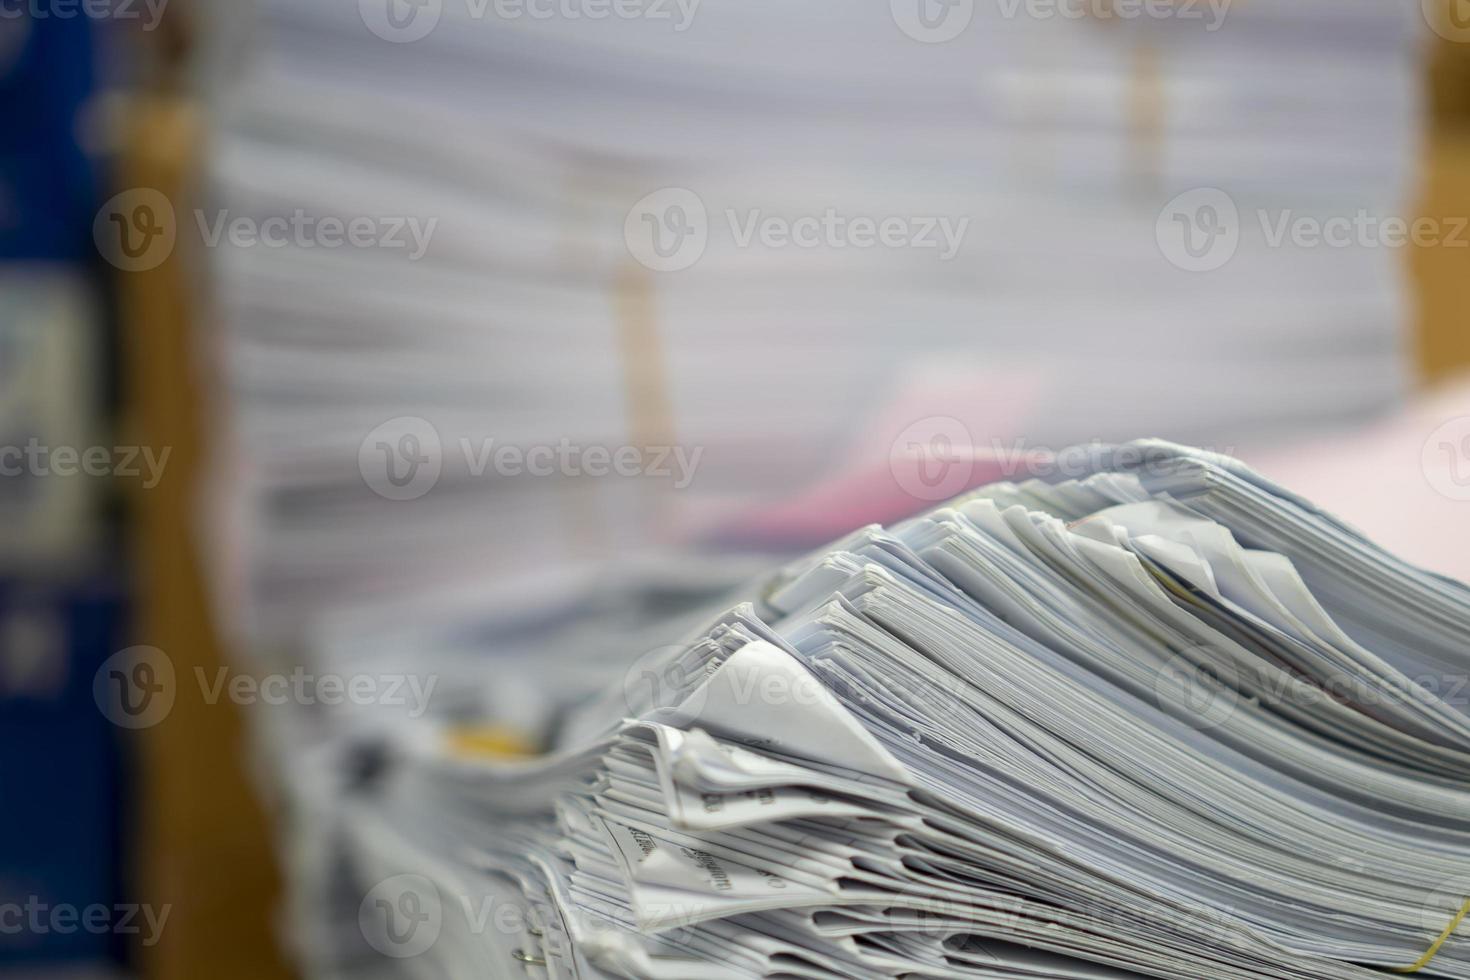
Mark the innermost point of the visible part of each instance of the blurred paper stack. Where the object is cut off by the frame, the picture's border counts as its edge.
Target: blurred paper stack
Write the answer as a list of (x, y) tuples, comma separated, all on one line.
[(509, 287)]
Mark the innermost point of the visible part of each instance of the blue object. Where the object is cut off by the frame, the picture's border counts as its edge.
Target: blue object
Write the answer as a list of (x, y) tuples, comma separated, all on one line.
[(48, 185), (60, 831)]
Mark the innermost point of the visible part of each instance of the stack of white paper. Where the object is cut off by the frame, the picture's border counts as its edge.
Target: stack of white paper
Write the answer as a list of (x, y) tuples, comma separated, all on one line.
[(1164, 719), (523, 174)]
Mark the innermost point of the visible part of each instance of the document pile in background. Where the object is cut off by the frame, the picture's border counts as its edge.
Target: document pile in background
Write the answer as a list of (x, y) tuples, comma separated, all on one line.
[(508, 158), (1161, 718)]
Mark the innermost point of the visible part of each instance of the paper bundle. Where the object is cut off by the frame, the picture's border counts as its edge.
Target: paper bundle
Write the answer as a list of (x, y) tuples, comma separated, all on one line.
[(1155, 716)]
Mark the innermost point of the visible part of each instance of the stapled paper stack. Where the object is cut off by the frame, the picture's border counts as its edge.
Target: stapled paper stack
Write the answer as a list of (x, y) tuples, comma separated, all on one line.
[(1155, 717)]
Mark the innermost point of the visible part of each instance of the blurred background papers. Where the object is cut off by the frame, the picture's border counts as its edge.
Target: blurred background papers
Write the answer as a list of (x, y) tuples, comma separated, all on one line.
[(1026, 162)]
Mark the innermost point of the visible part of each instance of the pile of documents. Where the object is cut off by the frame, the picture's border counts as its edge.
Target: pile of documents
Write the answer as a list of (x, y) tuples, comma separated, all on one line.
[(1154, 717), (505, 157)]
